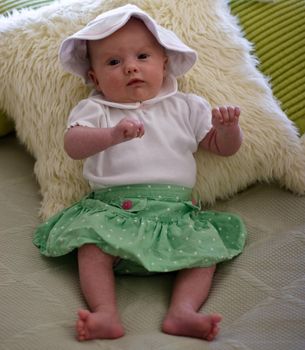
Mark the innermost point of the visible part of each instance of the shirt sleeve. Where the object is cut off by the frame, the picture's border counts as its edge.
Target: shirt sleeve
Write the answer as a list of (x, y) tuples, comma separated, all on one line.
[(200, 116), (86, 113)]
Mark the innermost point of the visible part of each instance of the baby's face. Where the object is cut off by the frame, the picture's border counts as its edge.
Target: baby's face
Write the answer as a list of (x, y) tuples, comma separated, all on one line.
[(129, 65)]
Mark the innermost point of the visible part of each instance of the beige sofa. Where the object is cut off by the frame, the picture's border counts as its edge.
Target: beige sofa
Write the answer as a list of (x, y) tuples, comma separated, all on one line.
[(260, 294)]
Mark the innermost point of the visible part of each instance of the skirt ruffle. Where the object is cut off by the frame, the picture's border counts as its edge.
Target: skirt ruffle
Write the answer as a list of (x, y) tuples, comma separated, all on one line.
[(151, 228)]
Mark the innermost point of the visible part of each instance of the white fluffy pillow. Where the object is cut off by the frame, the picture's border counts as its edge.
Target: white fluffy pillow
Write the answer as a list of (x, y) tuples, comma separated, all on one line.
[(38, 95)]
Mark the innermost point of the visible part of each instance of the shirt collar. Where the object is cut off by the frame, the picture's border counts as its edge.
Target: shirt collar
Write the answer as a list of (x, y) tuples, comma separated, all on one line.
[(168, 89)]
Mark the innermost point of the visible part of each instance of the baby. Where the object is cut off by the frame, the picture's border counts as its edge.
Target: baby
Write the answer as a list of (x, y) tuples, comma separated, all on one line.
[(138, 135)]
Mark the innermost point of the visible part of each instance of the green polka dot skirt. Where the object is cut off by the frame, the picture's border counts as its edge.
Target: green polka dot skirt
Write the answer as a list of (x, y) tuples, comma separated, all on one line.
[(151, 228)]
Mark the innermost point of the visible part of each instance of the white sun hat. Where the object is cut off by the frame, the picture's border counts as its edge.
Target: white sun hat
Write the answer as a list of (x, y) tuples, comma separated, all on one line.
[(73, 50)]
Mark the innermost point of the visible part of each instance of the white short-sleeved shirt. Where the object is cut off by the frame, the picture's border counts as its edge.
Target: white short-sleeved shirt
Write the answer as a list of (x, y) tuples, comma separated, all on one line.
[(174, 124)]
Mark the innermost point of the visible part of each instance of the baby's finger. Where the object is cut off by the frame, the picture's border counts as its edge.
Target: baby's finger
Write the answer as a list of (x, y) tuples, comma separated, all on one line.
[(216, 116), (141, 130), (232, 114), (130, 130), (224, 114), (237, 112)]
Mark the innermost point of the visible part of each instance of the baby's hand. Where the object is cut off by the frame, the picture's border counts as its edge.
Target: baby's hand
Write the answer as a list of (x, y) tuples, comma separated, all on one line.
[(127, 129), (224, 117)]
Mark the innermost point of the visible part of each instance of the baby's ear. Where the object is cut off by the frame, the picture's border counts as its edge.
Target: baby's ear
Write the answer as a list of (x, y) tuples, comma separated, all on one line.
[(92, 78)]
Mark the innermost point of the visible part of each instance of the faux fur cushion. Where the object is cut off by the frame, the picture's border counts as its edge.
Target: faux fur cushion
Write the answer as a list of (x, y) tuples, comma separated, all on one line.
[(6, 124), (38, 95)]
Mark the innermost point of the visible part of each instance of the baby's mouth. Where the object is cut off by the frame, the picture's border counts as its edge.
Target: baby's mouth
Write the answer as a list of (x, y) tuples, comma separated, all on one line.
[(134, 82)]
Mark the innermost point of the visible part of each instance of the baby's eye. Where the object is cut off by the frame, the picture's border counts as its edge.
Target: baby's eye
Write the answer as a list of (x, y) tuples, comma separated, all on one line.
[(143, 56), (113, 62)]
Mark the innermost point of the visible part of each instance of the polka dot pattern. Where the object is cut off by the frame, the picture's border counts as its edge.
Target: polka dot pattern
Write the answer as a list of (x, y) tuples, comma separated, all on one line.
[(160, 230)]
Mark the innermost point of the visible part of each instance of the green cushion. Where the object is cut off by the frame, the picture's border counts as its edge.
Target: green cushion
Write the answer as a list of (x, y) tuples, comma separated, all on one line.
[(6, 6), (9, 5), (277, 30)]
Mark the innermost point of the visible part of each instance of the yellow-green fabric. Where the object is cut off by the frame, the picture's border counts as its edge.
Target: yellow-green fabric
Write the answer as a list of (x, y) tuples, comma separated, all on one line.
[(6, 6), (277, 30), (9, 5)]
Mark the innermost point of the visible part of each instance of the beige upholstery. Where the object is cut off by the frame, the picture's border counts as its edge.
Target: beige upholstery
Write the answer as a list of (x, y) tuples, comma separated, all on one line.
[(260, 294)]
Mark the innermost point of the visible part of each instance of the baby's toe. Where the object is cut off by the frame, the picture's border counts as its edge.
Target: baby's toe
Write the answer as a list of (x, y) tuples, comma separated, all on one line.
[(213, 332)]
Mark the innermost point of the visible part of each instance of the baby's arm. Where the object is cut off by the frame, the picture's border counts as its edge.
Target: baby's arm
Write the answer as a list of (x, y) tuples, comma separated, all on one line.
[(225, 136), (81, 142)]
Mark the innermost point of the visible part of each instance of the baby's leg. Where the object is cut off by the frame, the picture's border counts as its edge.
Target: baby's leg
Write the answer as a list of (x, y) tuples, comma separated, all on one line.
[(98, 286), (190, 291)]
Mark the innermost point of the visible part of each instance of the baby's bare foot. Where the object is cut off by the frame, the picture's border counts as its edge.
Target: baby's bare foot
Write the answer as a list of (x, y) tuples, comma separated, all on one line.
[(192, 324), (97, 325)]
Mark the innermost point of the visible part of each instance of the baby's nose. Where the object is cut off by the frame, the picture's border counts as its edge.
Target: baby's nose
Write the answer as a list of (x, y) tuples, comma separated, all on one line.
[(131, 67)]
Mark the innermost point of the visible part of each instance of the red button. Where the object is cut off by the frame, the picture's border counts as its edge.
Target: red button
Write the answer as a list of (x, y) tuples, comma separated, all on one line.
[(126, 205)]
